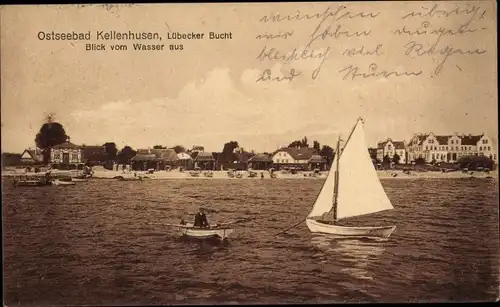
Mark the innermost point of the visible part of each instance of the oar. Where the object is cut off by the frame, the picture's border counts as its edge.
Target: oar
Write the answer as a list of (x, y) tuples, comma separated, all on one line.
[(281, 232), (241, 220)]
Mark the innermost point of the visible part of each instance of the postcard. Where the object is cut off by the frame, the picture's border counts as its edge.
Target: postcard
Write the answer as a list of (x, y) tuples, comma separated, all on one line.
[(249, 153)]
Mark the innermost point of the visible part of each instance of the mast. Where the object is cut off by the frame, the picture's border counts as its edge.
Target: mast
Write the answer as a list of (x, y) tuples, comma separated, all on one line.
[(336, 187)]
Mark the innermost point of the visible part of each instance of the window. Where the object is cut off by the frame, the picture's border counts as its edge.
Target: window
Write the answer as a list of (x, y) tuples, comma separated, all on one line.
[(57, 156), (452, 141), (389, 147), (485, 141), (432, 156), (456, 148), (426, 147), (480, 148), (489, 147), (435, 148), (446, 147), (74, 157)]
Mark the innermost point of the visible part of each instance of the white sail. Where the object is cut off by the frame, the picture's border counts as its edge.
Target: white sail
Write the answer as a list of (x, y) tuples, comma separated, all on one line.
[(324, 202), (359, 191)]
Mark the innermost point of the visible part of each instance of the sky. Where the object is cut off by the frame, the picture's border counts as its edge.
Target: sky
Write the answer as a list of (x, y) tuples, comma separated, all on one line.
[(207, 93)]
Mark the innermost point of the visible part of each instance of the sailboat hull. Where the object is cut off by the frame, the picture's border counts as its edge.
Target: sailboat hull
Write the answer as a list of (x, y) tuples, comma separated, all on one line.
[(367, 232)]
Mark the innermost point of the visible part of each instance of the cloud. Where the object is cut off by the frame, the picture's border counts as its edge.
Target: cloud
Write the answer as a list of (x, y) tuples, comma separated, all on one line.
[(211, 111)]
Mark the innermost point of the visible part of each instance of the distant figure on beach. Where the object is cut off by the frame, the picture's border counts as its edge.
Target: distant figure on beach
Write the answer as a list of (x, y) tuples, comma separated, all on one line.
[(200, 219)]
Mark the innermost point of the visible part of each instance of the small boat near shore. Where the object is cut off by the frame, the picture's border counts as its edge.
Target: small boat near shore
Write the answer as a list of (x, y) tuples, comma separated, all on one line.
[(62, 182), (79, 179), (30, 181), (220, 232)]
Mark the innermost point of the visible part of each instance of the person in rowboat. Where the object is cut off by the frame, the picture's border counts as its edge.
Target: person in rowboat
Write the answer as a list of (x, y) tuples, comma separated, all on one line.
[(200, 219)]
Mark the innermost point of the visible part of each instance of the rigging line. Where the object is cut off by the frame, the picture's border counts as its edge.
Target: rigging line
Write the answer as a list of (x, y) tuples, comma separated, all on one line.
[(291, 227)]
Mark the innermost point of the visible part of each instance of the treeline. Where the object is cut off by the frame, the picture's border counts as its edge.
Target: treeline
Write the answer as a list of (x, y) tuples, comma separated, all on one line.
[(53, 133)]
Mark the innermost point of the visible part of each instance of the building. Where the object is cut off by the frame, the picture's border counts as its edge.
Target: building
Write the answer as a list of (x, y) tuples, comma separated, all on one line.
[(157, 159), (449, 148), (66, 156), (184, 160), (293, 157), (260, 161), (317, 162), (31, 157), (204, 160), (390, 148)]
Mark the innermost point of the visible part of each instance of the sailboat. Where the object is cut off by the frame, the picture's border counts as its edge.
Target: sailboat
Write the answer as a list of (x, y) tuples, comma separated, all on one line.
[(352, 188)]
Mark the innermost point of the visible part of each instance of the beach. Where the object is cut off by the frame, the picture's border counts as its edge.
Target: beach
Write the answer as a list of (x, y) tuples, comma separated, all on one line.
[(101, 173)]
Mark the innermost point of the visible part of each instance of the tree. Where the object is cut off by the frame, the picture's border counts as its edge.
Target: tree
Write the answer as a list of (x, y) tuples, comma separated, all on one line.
[(179, 149), (373, 153), (317, 146), (111, 151), (227, 154), (51, 134), (473, 162), (396, 158), (327, 153), (126, 154), (159, 147), (419, 161), (386, 160), (299, 143)]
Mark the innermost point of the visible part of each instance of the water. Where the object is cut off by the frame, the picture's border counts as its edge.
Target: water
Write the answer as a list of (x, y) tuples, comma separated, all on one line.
[(102, 243)]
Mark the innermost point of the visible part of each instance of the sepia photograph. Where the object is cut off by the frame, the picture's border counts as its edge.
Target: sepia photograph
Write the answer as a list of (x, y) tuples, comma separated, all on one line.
[(249, 153)]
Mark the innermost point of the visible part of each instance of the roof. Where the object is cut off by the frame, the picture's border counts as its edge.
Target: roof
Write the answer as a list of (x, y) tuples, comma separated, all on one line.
[(165, 154), (204, 156), (397, 144), (316, 159), (183, 156), (144, 157), (443, 139), (299, 153), (36, 156), (260, 158), (159, 154), (470, 139), (243, 157), (422, 138), (67, 145)]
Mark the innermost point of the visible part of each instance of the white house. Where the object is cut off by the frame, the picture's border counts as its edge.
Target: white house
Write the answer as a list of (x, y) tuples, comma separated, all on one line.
[(449, 148), (32, 156), (66, 154), (390, 148), (293, 157)]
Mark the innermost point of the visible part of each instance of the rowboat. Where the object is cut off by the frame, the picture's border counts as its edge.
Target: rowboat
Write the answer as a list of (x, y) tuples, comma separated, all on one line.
[(216, 232)]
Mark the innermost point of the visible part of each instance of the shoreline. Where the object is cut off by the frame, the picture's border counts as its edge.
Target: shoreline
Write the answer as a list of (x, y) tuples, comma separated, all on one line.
[(176, 175)]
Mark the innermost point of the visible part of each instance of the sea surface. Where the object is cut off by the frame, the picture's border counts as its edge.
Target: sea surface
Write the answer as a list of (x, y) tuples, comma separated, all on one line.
[(103, 242)]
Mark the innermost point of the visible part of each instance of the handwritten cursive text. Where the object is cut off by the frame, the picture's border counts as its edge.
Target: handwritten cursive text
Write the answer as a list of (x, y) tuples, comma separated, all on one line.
[(354, 72), (268, 76)]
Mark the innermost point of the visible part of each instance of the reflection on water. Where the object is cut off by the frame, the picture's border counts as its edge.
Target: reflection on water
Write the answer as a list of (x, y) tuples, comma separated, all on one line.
[(356, 255)]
